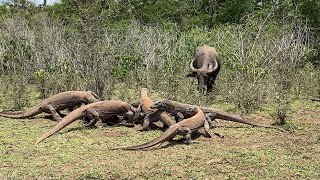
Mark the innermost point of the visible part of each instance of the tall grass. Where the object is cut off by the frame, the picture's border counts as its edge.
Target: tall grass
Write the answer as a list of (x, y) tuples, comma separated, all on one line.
[(262, 62)]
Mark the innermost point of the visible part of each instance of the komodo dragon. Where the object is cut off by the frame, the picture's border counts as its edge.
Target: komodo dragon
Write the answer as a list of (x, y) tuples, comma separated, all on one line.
[(185, 128), (94, 111), (52, 105), (174, 107), (152, 115)]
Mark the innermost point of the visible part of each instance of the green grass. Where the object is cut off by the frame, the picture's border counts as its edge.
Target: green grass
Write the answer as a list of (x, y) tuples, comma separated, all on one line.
[(244, 153)]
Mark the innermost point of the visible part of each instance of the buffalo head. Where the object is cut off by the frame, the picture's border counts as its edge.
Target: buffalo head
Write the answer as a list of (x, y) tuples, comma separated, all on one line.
[(205, 67)]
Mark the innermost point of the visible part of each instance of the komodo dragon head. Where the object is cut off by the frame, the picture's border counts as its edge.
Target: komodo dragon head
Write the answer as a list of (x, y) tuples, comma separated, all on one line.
[(94, 95)]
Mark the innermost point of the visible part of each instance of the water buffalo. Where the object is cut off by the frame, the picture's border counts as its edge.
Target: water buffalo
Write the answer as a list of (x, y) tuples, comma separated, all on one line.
[(205, 66)]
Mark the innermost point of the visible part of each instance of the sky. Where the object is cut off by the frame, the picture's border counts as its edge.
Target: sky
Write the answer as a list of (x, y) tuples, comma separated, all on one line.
[(41, 1), (34, 1)]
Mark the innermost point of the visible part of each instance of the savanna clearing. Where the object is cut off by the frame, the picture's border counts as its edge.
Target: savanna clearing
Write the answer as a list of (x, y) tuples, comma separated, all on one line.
[(270, 56), (244, 152)]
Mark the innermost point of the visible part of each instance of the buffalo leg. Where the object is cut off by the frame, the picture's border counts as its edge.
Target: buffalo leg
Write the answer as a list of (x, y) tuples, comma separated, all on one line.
[(209, 87), (210, 84)]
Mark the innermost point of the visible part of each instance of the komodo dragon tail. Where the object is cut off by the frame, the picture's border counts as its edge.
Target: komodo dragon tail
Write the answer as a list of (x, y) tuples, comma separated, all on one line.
[(171, 132), (227, 117), (24, 114), (71, 117)]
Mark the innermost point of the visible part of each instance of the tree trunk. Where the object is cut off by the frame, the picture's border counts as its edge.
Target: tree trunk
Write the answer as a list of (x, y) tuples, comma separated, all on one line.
[(214, 5)]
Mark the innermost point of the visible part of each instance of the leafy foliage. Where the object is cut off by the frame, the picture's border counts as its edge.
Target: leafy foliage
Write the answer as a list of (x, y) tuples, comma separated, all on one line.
[(103, 44)]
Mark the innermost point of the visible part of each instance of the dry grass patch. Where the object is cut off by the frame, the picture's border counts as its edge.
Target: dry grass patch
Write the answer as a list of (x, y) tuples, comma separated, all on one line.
[(244, 153)]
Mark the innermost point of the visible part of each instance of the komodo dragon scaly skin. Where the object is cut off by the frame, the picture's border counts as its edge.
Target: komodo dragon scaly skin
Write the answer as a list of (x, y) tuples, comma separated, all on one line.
[(185, 128), (173, 107), (152, 115), (93, 111), (52, 105)]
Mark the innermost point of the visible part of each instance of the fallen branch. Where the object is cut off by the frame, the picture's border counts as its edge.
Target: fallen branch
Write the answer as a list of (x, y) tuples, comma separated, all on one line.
[(315, 99)]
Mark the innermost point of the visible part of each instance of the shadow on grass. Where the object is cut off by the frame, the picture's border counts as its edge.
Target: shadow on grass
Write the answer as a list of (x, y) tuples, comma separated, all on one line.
[(94, 127), (173, 142), (48, 117), (81, 128), (234, 127)]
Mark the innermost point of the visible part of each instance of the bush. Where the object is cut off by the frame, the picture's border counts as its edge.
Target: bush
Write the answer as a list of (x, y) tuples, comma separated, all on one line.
[(261, 59)]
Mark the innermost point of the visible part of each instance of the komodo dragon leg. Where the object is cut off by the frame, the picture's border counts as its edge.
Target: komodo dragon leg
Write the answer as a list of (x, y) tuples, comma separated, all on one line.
[(179, 116), (61, 114), (130, 116), (92, 116), (206, 129), (137, 114), (52, 111), (127, 119), (208, 124), (186, 132), (124, 124), (71, 109), (146, 122), (110, 121), (156, 116), (149, 118)]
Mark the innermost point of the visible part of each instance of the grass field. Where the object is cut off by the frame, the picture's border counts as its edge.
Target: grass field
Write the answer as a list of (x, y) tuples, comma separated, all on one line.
[(244, 152)]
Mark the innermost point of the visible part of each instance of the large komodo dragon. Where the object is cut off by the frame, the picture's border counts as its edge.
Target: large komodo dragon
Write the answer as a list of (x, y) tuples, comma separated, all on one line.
[(52, 105), (95, 111), (185, 128), (211, 114), (152, 115)]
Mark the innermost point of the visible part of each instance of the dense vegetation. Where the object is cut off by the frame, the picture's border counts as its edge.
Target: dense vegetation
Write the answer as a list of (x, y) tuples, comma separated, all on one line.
[(269, 49)]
